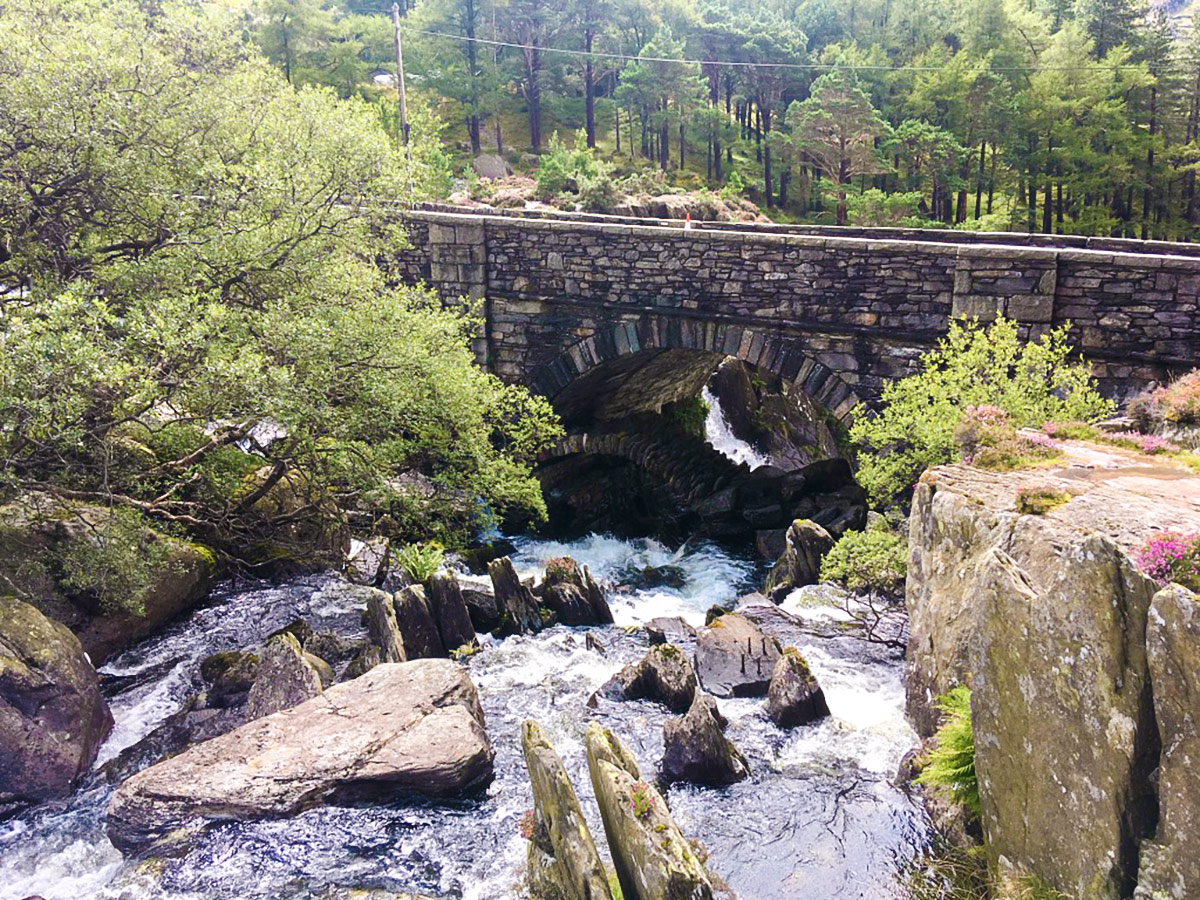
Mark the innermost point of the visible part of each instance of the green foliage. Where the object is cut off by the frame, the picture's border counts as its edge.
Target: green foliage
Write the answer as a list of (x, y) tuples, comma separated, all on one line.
[(986, 439), (874, 560), (688, 414), (166, 296), (420, 562), (1032, 382), (566, 170), (951, 762), (116, 560)]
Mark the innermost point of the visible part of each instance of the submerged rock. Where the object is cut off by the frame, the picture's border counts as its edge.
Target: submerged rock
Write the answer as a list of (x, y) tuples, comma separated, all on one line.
[(571, 592), (52, 717), (450, 611), (414, 616), (656, 576), (734, 658), (794, 696), (652, 858), (664, 675), (695, 747), (519, 613), (563, 860), (800, 564), (414, 726), (284, 679)]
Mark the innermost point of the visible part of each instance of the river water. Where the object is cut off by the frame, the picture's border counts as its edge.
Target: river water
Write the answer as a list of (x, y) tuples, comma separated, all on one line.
[(817, 819)]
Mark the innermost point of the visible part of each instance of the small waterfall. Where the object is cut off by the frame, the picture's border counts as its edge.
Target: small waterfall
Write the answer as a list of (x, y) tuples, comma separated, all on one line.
[(722, 438)]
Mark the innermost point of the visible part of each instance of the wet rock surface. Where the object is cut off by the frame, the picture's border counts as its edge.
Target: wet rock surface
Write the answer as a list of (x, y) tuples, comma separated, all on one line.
[(563, 860), (794, 697), (413, 726), (734, 658), (664, 675), (285, 678), (52, 716), (573, 595), (652, 858), (695, 748), (519, 613), (800, 564)]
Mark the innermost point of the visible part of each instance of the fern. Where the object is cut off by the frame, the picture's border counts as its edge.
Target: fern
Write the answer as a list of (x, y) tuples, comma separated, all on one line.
[(951, 763)]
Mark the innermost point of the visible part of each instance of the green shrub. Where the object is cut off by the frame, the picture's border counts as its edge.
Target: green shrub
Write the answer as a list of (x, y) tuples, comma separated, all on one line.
[(420, 562), (688, 414), (951, 763), (563, 170), (987, 440), (875, 560), (117, 561), (972, 366)]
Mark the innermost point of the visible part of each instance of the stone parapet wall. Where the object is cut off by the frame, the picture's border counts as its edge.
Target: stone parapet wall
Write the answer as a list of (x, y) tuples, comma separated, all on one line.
[(864, 307)]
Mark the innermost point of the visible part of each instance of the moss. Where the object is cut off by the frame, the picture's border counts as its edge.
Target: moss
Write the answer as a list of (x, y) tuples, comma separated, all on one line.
[(794, 656), (670, 651), (1039, 501)]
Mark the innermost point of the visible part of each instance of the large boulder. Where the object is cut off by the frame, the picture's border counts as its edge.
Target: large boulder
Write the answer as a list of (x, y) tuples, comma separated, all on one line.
[(664, 675), (563, 861), (285, 678), (695, 747), (38, 532), (1170, 864), (419, 630), (519, 612), (450, 611), (734, 658), (1046, 621), (573, 594), (794, 696), (401, 727), (52, 717), (652, 858), (800, 564)]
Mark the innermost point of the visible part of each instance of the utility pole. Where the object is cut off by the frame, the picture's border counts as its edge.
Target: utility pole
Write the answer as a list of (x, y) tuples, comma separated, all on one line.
[(400, 73)]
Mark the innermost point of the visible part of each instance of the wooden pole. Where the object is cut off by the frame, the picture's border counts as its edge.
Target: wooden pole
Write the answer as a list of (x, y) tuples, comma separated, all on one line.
[(400, 74)]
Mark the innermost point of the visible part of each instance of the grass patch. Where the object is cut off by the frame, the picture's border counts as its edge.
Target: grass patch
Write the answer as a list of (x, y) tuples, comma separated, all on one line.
[(1037, 501)]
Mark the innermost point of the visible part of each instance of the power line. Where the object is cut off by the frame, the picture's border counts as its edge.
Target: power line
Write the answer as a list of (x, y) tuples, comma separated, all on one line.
[(818, 67)]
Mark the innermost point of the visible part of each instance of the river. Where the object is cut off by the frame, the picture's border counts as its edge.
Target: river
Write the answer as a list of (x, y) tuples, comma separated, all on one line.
[(818, 817)]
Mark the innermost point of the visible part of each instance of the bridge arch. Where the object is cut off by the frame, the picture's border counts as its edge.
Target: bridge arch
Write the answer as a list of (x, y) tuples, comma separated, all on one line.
[(612, 351)]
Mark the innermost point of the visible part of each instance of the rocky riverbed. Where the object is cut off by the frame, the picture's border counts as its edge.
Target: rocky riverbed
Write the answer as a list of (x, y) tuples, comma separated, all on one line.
[(817, 812)]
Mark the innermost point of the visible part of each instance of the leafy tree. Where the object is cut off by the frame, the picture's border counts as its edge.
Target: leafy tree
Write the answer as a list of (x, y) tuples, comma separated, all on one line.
[(167, 298), (838, 127), (1032, 382)]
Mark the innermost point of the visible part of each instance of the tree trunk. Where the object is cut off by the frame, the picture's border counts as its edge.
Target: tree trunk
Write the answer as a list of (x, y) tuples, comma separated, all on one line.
[(681, 144), (473, 75), (1148, 190), (589, 91), (979, 179), (533, 94)]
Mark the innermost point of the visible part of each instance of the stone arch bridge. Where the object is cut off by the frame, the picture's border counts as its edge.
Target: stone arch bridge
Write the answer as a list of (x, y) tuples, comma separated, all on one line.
[(611, 317)]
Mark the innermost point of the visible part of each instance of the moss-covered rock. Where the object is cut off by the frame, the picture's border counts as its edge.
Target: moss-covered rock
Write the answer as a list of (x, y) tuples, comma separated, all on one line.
[(563, 861), (652, 858), (794, 696), (695, 747), (800, 564), (40, 539), (664, 675), (285, 678), (52, 717)]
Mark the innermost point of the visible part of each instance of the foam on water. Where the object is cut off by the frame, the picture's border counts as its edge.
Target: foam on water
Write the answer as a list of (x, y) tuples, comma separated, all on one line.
[(720, 435)]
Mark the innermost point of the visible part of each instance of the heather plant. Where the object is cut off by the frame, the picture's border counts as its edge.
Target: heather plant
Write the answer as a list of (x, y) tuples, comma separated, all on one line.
[(641, 800), (1172, 556), (973, 366), (1177, 403), (1147, 443), (987, 440)]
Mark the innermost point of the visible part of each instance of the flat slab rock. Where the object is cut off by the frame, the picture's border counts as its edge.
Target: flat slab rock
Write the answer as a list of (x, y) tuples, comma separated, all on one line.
[(734, 658), (414, 726)]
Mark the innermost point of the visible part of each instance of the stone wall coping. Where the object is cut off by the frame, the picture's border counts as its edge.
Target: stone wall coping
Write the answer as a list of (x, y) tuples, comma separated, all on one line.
[(875, 233), (964, 251)]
